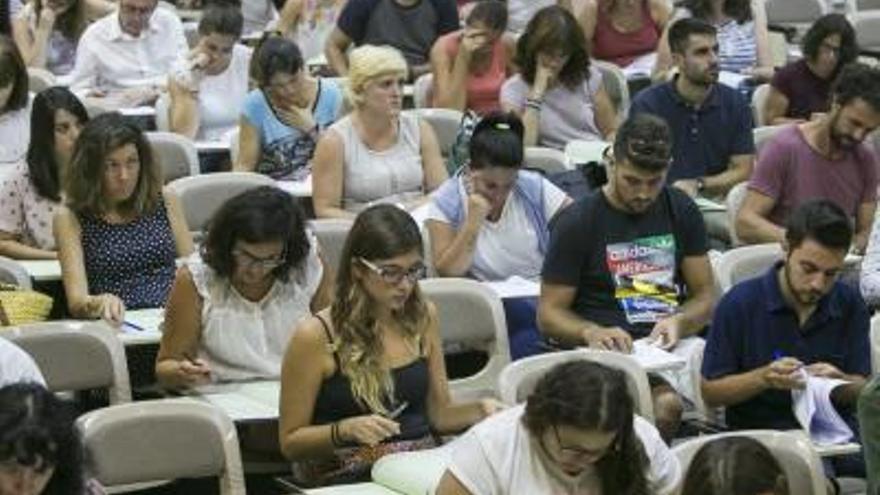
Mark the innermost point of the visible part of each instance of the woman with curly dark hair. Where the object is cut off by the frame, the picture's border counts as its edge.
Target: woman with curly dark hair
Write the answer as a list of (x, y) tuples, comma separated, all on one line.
[(576, 433), (366, 376), (40, 449), (735, 466), (234, 307)]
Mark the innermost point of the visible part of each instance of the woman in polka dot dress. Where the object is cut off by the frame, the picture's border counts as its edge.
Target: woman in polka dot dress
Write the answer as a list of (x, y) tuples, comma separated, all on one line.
[(31, 191), (119, 232)]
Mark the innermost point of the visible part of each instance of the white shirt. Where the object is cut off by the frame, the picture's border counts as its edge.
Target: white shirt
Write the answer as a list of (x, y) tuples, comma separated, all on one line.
[(520, 12), (15, 135), (220, 96), (499, 456), (508, 246), (257, 15), (17, 366), (108, 58), (242, 339)]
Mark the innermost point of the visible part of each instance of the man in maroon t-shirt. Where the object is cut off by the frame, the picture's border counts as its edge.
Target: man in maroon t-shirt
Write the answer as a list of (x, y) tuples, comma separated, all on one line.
[(824, 158)]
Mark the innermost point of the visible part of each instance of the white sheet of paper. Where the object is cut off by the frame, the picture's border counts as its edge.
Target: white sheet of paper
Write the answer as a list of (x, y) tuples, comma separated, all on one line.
[(651, 357), (515, 287), (245, 401), (641, 67), (731, 79), (705, 204), (814, 411)]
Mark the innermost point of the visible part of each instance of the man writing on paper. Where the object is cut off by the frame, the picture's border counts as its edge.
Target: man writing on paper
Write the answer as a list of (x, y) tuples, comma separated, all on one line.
[(630, 260), (765, 330)]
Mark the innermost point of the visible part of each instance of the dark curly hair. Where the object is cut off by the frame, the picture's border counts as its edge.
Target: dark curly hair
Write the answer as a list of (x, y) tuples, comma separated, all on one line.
[(734, 466), (554, 28), (860, 81), (263, 214), (37, 430), (590, 396), (826, 26)]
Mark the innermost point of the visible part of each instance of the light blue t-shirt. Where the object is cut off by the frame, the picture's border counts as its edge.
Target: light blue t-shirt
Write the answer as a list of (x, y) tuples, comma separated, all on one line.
[(285, 151)]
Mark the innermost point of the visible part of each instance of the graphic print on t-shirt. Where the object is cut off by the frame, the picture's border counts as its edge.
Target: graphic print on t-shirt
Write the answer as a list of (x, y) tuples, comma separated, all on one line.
[(287, 158), (644, 277)]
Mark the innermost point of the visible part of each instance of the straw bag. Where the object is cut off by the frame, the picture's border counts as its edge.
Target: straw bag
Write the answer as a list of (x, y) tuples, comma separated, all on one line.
[(18, 306)]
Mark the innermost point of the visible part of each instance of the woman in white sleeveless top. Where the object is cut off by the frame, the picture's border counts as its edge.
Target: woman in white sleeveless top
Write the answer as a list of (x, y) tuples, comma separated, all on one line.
[(376, 154), (233, 309)]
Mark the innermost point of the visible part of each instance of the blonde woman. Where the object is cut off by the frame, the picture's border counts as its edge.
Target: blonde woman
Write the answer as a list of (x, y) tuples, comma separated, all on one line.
[(376, 153), (366, 376)]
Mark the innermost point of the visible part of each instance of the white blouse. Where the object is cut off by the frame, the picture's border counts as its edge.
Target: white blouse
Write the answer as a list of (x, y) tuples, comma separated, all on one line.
[(23, 212), (242, 339), (15, 135)]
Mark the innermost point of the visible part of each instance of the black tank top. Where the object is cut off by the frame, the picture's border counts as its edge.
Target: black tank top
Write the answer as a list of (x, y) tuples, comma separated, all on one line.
[(336, 401)]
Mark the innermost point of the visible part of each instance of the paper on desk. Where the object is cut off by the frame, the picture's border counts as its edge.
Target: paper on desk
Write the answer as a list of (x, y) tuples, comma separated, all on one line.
[(705, 204), (814, 411), (731, 79), (149, 319), (515, 287), (641, 67), (244, 401), (652, 358)]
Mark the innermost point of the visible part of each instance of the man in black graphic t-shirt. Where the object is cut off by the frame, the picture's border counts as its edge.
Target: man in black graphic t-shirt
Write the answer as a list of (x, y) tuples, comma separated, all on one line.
[(630, 260)]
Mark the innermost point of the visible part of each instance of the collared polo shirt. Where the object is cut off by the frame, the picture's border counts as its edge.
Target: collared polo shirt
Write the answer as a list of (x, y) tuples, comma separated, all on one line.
[(704, 137), (108, 58), (753, 322)]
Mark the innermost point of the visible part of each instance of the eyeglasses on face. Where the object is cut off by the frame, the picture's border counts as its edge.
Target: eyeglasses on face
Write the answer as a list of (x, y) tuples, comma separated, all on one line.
[(393, 275), (576, 452), (248, 260)]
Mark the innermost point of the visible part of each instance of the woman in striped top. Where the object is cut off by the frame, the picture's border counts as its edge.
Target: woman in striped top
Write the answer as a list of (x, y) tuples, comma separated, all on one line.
[(743, 44)]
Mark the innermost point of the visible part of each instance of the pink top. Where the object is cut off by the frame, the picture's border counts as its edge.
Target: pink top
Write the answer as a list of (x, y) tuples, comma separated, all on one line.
[(482, 89), (791, 172), (622, 48)]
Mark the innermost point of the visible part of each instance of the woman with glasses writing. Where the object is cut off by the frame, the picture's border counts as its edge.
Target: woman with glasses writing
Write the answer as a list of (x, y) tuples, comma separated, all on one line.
[(233, 308), (366, 376), (577, 433)]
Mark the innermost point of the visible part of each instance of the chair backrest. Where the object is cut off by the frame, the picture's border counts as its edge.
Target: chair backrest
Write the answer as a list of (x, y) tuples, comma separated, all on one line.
[(234, 145), (160, 440), (423, 91), (11, 272), (794, 12), (579, 151), (471, 314), (867, 5), (176, 154), (733, 203), (331, 234), (445, 123), (76, 355), (745, 262), (163, 117), (614, 81), (519, 378), (762, 134), (202, 195), (548, 160), (40, 79), (867, 27), (875, 344), (792, 449), (759, 101)]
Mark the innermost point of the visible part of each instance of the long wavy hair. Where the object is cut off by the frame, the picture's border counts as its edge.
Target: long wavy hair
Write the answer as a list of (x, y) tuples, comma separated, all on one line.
[(380, 232), (72, 22), (591, 396)]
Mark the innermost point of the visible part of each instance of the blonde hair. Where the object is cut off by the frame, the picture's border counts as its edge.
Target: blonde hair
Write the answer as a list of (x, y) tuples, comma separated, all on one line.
[(379, 232), (369, 62)]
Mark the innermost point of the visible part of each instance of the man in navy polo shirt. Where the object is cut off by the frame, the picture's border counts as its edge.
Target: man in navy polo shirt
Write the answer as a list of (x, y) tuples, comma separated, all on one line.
[(796, 316), (713, 148)]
